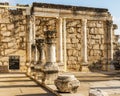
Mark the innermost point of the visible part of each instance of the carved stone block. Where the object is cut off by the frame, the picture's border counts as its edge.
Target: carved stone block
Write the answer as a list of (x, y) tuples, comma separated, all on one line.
[(67, 83)]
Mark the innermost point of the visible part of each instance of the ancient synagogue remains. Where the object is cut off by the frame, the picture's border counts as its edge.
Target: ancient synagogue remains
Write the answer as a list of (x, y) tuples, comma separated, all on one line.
[(53, 38)]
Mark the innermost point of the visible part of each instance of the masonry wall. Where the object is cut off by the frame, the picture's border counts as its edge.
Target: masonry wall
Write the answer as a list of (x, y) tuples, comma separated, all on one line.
[(15, 38), (74, 44), (96, 40), (12, 36)]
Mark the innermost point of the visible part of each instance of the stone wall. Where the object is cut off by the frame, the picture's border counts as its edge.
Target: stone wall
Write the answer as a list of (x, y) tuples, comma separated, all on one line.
[(96, 41), (18, 31), (12, 36), (74, 44), (43, 24)]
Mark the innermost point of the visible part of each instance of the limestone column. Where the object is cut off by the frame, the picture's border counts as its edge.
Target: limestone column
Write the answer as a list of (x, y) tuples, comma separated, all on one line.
[(50, 69), (34, 30), (64, 36), (84, 24), (109, 45), (34, 38), (60, 46), (30, 39), (84, 30), (36, 54), (111, 41)]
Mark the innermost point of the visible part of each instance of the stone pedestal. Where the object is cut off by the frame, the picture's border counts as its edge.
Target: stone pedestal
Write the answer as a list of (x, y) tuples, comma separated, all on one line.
[(50, 70), (85, 67), (67, 83)]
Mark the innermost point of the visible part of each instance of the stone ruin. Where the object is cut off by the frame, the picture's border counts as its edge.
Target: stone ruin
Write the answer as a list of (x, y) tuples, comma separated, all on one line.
[(51, 38)]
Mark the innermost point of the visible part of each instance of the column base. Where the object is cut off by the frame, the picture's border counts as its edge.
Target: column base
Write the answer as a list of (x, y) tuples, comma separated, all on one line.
[(29, 70), (85, 68), (50, 66), (50, 73), (49, 77)]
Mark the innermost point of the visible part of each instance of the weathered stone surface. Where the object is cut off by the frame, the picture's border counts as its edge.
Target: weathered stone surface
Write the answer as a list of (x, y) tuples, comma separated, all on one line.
[(68, 40), (67, 83), (70, 52), (96, 93), (14, 29), (75, 40), (96, 46), (6, 33), (10, 27), (3, 27)]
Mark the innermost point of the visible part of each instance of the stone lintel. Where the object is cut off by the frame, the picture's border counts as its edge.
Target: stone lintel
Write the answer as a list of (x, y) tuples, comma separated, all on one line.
[(63, 11), (68, 7), (69, 16)]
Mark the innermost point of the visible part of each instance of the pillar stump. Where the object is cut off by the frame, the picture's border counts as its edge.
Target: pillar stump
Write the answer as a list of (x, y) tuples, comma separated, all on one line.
[(40, 44), (50, 70)]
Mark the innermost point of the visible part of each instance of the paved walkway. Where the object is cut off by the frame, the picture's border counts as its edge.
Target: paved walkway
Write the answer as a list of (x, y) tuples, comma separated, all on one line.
[(106, 82), (20, 85)]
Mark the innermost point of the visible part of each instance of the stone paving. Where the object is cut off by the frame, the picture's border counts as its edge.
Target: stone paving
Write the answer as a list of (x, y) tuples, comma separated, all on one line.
[(108, 83), (108, 88), (20, 85)]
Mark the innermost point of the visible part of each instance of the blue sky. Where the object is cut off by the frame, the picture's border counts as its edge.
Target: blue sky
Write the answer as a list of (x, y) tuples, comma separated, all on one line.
[(112, 5)]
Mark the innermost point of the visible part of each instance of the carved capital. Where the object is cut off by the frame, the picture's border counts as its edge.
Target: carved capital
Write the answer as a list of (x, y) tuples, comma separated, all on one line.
[(109, 23), (50, 37), (115, 26), (40, 43)]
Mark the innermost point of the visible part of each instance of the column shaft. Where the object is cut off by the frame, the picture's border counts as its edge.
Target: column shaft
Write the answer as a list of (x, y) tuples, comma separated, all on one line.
[(51, 53), (60, 53), (84, 40), (30, 42), (64, 32), (111, 42)]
